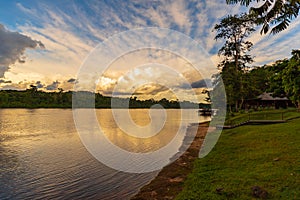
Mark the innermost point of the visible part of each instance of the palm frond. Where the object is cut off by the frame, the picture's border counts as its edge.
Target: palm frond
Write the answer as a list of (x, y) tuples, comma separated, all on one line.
[(280, 27), (265, 28), (242, 2), (277, 13), (262, 9)]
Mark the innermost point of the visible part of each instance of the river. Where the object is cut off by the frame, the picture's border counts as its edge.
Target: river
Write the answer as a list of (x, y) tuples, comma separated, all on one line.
[(42, 157)]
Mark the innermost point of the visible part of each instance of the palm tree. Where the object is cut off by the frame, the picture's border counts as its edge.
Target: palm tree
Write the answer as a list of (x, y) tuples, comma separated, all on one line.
[(274, 15)]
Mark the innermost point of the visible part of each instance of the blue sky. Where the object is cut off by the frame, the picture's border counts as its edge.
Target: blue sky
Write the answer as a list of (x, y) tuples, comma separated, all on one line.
[(70, 29)]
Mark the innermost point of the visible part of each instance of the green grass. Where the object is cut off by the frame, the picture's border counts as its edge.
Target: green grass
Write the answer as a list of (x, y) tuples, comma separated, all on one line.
[(267, 156)]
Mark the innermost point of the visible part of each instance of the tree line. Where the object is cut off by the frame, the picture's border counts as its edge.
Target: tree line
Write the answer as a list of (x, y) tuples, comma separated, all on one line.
[(33, 98)]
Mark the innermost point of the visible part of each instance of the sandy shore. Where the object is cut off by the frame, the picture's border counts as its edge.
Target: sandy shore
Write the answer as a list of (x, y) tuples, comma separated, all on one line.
[(169, 182)]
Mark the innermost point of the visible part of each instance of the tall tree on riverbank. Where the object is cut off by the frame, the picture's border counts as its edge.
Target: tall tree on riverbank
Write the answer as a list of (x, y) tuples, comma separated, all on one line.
[(274, 15), (234, 29)]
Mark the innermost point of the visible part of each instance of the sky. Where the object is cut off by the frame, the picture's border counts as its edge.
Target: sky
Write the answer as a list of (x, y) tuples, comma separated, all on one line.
[(46, 43)]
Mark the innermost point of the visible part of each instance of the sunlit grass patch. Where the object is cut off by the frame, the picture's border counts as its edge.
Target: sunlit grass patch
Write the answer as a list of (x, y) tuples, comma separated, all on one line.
[(263, 156)]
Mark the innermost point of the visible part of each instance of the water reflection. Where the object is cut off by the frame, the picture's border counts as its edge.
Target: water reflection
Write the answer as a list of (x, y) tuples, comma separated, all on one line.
[(141, 118), (42, 157)]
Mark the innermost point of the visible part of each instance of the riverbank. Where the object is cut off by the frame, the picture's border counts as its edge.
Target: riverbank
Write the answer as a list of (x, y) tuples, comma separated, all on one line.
[(169, 182), (249, 162)]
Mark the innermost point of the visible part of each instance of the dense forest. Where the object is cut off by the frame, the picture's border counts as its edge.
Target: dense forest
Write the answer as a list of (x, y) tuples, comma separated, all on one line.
[(282, 79), (243, 81), (33, 98)]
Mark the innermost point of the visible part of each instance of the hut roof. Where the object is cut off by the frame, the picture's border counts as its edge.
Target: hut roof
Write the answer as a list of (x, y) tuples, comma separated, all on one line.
[(268, 97)]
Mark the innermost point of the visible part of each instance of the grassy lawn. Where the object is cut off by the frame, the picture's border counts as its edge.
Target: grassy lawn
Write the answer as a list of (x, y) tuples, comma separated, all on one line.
[(267, 156)]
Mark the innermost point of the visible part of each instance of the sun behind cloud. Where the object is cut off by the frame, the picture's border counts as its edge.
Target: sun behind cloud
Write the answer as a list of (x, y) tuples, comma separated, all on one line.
[(70, 30)]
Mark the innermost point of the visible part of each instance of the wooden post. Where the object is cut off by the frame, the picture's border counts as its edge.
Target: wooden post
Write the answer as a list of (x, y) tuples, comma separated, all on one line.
[(281, 115)]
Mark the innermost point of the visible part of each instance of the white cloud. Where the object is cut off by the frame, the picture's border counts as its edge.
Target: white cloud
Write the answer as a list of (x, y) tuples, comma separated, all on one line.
[(65, 50), (269, 48), (13, 47), (71, 31)]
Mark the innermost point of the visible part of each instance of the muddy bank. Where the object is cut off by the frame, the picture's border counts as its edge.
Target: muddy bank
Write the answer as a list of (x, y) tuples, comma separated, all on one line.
[(169, 182)]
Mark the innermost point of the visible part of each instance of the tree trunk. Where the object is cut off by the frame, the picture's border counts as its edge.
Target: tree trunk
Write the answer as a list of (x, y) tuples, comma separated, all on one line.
[(236, 56), (237, 106), (241, 104)]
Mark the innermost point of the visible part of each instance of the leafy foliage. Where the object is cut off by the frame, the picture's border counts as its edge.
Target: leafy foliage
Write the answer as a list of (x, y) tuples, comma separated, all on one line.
[(32, 98), (291, 78), (234, 29), (282, 79), (274, 15), (275, 77)]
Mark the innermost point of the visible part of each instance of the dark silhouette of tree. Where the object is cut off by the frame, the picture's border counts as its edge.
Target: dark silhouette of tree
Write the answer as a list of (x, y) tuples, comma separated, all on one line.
[(60, 90), (234, 30), (33, 88), (274, 15)]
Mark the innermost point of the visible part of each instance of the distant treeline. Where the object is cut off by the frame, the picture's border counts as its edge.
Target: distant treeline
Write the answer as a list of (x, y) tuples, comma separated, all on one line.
[(32, 98)]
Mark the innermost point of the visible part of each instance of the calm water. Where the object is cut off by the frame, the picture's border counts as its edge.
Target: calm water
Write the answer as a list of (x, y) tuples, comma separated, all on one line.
[(42, 157)]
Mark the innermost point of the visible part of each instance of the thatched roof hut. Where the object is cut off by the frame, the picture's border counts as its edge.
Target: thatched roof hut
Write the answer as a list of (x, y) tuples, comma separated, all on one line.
[(267, 100), (268, 97)]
